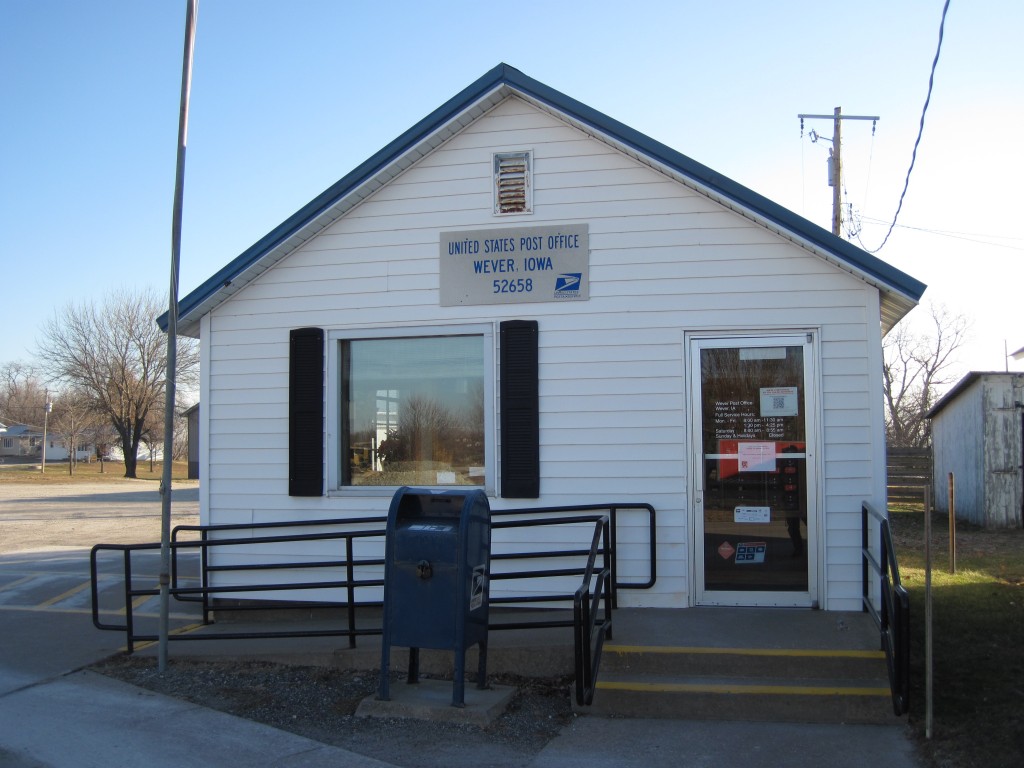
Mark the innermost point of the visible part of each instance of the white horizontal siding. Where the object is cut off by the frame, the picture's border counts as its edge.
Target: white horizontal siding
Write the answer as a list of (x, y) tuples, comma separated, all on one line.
[(664, 260)]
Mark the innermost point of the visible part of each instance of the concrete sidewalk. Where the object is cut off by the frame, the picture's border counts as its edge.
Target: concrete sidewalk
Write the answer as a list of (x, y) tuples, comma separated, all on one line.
[(85, 719)]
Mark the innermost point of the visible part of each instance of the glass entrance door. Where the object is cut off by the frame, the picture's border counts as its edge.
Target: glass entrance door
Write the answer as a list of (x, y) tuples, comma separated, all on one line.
[(756, 524)]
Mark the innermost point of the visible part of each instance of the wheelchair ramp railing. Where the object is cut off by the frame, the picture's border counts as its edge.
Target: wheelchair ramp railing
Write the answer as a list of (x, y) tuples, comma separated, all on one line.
[(225, 580), (890, 606)]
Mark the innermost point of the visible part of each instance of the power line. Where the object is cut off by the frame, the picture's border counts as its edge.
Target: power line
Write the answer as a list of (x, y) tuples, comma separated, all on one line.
[(971, 237), (920, 132)]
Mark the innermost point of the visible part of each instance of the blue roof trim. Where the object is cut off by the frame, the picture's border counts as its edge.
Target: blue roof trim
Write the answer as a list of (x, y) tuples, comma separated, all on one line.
[(503, 74), (336, 191)]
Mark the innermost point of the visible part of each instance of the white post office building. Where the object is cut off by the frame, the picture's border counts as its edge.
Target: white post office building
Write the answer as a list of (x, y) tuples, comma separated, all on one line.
[(523, 295)]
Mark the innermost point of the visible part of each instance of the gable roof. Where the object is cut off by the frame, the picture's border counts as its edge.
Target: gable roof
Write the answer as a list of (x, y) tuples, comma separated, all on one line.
[(899, 291), (21, 430)]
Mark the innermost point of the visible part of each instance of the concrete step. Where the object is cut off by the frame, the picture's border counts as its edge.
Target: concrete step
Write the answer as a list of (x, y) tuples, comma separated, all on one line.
[(743, 698), (745, 662), (779, 684)]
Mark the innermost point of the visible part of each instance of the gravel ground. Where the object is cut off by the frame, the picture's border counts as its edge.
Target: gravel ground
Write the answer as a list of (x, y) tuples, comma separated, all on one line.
[(320, 703)]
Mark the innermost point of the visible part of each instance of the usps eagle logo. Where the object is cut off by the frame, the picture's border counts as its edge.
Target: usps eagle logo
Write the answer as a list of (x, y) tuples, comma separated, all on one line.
[(568, 284)]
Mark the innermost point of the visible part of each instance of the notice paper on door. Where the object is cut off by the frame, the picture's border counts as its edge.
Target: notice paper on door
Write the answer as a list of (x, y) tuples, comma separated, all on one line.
[(752, 515), (750, 552), (779, 401), (756, 456)]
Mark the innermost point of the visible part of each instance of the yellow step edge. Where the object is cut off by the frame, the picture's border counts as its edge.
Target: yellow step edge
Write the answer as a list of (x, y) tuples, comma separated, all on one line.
[(738, 688), (705, 650)]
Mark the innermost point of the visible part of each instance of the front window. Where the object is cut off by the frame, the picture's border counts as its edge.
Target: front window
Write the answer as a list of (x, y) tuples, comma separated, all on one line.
[(412, 411)]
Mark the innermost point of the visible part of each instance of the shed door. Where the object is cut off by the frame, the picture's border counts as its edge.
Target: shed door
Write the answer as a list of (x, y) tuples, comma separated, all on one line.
[(753, 427)]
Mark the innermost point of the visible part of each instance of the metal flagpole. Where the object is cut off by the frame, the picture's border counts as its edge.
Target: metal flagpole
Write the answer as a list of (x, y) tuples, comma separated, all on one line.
[(172, 334)]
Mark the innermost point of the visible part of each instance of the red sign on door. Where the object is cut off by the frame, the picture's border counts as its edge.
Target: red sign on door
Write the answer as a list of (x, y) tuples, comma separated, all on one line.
[(726, 550)]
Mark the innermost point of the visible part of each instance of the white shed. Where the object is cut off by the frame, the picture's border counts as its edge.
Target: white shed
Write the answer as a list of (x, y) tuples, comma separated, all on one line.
[(523, 295), (978, 435)]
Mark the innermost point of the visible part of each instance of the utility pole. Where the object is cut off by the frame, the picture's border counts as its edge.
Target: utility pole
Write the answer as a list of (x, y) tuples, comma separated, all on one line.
[(837, 173), (835, 176)]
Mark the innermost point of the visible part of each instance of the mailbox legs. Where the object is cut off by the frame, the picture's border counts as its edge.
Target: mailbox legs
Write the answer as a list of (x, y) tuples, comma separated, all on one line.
[(458, 681), (414, 666), (481, 670), (384, 684)]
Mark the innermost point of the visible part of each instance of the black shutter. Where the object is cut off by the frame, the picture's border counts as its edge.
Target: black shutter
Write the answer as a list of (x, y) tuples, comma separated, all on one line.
[(306, 413), (520, 414)]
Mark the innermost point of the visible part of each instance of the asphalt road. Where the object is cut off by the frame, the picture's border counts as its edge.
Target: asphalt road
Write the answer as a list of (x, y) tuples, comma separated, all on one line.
[(46, 534)]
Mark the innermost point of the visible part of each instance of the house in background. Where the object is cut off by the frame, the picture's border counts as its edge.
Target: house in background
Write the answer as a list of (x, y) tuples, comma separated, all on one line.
[(57, 450), (523, 295), (24, 441), (978, 436), (20, 440)]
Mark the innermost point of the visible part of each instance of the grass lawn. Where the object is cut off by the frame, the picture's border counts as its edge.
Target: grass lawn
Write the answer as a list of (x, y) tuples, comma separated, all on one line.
[(978, 641), (93, 472)]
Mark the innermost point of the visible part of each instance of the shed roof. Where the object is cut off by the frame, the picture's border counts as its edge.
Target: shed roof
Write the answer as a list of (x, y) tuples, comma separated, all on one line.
[(899, 291), (962, 385)]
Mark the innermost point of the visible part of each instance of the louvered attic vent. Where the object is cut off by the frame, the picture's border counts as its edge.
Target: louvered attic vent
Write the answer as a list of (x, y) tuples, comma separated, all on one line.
[(513, 183)]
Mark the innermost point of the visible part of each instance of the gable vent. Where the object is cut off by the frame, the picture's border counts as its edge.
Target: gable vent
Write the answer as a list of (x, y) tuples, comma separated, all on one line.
[(513, 183)]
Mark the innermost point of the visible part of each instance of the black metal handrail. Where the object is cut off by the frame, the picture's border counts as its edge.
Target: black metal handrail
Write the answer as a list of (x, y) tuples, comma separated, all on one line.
[(613, 510), (892, 615), (208, 533), (588, 630), (591, 631), (203, 592)]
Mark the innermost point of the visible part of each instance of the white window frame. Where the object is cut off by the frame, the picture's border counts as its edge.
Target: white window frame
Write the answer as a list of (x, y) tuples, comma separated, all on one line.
[(333, 412)]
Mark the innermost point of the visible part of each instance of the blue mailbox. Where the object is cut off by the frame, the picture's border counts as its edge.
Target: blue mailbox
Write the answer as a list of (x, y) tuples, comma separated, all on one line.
[(436, 580)]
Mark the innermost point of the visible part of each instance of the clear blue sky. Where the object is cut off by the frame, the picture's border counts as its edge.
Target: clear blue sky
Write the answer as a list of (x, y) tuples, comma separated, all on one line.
[(289, 96)]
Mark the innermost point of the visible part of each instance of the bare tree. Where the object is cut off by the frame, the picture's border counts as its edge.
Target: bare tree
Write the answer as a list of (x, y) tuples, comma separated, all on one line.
[(102, 437), (22, 394), (74, 417), (153, 438), (116, 353), (917, 366), (180, 444)]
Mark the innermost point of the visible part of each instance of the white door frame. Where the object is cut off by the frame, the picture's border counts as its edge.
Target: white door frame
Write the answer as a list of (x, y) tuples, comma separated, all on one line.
[(693, 344)]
